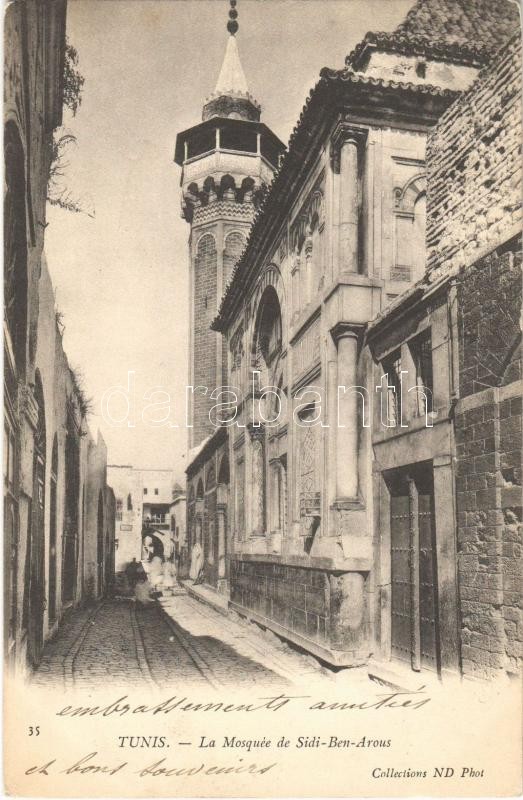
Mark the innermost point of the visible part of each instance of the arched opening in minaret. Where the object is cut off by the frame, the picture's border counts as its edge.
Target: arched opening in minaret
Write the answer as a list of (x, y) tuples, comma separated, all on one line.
[(228, 187), (247, 189)]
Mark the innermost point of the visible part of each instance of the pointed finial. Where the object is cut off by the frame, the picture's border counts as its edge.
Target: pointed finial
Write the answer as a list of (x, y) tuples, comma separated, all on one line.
[(232, 24)]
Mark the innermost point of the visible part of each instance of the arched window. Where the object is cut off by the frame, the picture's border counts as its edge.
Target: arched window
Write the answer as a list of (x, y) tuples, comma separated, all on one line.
[(268, 335), (419, 246), (199, 490), (211, 478), (205, 275), (15, 245), (223, 474), (278, 497), (234, 247), (410, 245), (129, 502)]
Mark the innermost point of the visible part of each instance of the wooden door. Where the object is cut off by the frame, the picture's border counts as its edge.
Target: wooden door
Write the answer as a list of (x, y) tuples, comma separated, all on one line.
[(401, 578), (414, 623)]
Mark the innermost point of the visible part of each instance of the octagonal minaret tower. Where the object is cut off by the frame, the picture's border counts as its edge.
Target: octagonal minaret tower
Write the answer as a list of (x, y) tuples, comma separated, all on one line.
[(225, 159)]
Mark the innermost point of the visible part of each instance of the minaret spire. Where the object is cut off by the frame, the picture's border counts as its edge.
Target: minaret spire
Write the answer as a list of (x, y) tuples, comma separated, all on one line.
[(231, 94), (231, 79), (232, 24)]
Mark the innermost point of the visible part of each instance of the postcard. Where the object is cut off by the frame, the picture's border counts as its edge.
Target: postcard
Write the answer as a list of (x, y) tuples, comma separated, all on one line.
[(262, 398)]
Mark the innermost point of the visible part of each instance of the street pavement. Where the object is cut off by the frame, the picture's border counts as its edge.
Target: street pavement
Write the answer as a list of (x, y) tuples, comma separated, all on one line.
[(175, 641)]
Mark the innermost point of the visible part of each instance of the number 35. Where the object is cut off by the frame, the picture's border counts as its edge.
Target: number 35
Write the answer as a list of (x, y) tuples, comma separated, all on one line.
[(34, 731)]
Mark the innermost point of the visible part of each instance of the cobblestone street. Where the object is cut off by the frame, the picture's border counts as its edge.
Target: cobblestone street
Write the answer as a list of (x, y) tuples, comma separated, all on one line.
[(178, 640)]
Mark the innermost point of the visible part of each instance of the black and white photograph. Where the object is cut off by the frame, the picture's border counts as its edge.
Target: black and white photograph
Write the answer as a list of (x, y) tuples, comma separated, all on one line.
[(262, 397)]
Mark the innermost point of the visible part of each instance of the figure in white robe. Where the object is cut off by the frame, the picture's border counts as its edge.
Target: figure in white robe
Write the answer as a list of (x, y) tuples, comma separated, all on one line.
[(196, 561)]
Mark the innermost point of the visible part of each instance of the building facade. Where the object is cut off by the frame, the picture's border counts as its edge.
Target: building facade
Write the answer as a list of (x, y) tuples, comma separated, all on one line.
[(451, 492), (58, 509), (128, 493), (178, 518), (143, 503), (350, 529)]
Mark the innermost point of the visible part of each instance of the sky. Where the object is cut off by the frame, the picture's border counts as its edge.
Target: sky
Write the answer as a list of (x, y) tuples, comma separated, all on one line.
[(121, 278)]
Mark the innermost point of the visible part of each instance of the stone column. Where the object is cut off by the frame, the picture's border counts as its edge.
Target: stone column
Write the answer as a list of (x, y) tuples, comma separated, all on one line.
[(332, 432), (346, 338), (349, 618), (349, 205), (220, 514)]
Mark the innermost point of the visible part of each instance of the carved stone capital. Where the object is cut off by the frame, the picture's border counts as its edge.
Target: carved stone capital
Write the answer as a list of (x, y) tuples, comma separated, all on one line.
[(345, 330), (345, 133)]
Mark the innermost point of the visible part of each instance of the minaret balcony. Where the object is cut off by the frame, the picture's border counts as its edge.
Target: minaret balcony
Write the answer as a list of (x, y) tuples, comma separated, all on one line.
[(224, 146), (219, 162)]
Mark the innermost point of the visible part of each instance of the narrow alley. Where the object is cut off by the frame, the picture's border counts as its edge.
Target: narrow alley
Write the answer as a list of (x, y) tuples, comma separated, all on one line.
[(177, 640)]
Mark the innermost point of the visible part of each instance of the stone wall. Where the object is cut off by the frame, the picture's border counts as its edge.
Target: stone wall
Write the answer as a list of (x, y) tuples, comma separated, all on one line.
[(489, 299), (473, 224), (322, 610), (205, 267), (488, 442), (296, 598), (474, 167)]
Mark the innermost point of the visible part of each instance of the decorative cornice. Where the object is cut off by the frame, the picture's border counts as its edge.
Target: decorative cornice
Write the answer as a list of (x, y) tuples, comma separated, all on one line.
[(223, 210), (410, 45), (215, 441)]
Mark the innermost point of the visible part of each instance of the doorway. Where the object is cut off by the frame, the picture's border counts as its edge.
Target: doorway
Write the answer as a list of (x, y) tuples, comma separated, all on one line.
[(415, 635), (72, 495)]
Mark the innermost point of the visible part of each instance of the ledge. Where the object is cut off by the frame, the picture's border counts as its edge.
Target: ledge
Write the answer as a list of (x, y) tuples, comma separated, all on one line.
[(337, 658), (415, 426), (488, 396), (210, 597), (308, 562)]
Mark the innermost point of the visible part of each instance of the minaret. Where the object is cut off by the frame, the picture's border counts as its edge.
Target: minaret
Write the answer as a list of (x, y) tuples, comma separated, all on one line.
[(225, 159)]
